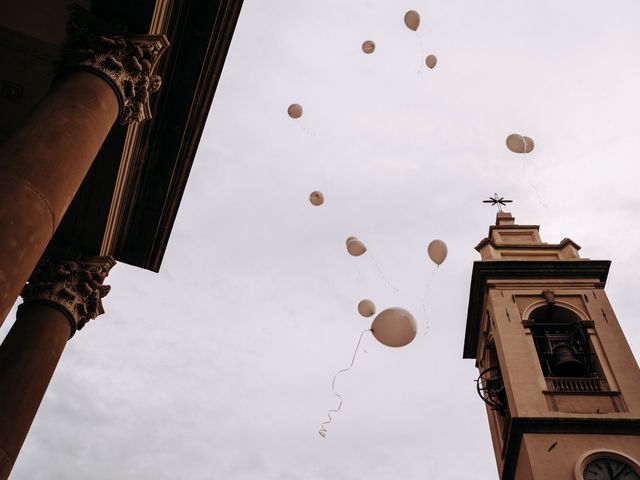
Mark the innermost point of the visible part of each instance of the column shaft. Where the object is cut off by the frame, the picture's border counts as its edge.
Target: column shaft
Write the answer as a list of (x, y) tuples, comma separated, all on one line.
[(28, 358), (42, 167)]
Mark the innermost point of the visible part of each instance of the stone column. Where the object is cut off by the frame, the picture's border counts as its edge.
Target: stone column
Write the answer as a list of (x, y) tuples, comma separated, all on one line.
[(64, 292), (104, 75)]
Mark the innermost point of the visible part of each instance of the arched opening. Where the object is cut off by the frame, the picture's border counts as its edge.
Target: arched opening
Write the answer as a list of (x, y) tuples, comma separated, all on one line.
[(561, 342)]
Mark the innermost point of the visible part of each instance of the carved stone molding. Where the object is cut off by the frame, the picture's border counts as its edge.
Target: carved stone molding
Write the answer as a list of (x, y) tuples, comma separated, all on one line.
[(72, 283), (126, 61)]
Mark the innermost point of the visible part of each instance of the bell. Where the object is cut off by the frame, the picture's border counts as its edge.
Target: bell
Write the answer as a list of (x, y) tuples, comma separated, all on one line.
[(565, 362)]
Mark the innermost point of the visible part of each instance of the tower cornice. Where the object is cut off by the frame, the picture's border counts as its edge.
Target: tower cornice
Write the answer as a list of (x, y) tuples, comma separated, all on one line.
[(483, 271)]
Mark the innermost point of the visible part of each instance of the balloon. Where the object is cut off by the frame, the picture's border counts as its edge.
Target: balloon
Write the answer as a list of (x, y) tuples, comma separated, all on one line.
[(294, 110), (316, 198), (366, 308), (368, 46), (355, 247), (528, 144), (519, 144), (394, 327), (412, 20), (437, 251), (431, 61)]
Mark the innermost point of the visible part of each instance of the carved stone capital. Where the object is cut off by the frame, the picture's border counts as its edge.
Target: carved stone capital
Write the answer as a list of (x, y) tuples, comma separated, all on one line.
[(126, 61), (70, 282)]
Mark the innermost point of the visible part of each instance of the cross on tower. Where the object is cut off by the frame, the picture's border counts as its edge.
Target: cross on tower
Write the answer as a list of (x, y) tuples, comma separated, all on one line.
[(497, 201)]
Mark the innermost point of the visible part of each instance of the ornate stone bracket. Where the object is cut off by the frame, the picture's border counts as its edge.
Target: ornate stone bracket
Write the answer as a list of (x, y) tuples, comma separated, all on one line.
[(549, 296), (72, 283), (127, 62)]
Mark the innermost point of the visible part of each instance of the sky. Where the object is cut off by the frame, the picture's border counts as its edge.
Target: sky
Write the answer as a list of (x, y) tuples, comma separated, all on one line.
[(220, 366)]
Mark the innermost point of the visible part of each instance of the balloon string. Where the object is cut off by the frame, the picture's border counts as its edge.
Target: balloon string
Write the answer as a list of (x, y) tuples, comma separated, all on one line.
[(424, 299), (531, 184), (422, 52), (308, 132), (323, 430), (384, 277)]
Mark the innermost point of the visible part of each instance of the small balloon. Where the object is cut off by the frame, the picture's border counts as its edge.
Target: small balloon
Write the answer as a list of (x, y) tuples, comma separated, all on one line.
[(431, 61), (437, 251), (366, 308), (316, 198), (294, 110), (519, 144), (412, 20), (355, 247), (394, 327), (368, 47)]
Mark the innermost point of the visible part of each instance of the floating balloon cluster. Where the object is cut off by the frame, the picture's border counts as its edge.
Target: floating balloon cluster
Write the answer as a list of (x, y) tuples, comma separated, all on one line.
[(412, 21), (394, 327)]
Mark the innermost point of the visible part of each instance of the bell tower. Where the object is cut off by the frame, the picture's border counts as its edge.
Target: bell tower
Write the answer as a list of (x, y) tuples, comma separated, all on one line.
[(561, 384)]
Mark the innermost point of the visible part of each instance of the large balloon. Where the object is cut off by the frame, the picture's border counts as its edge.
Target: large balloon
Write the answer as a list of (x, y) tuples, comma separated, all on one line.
[(431, 61), (316, 198), (519, 144), (368, 46), (437, 251), (294, 110), (366, 308), (394, 327), (412, 20), (355, 247)]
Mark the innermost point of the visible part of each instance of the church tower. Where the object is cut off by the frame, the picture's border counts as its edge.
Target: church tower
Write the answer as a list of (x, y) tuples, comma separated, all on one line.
[(560, 382)]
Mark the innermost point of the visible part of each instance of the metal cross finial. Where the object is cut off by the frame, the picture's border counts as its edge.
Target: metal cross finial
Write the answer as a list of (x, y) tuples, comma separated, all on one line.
[(497, 201)]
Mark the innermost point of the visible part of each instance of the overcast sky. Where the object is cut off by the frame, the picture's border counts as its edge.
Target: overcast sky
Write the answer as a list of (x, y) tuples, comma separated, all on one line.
[(220, 366)]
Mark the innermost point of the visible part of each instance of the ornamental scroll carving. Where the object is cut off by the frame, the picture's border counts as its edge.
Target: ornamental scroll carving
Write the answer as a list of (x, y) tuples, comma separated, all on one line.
[(72, 282), (126, 61)]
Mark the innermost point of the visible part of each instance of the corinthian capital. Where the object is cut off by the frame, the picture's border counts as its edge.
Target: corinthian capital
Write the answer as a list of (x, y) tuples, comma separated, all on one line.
[(72, 283), (126, 61)]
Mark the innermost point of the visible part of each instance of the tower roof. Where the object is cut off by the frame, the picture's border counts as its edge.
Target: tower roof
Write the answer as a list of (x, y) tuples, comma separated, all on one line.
[(509, 241)]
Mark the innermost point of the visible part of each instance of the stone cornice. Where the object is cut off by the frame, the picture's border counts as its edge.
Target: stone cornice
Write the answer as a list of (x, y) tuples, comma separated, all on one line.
[(518, 269), (71, 282), (126, 61)]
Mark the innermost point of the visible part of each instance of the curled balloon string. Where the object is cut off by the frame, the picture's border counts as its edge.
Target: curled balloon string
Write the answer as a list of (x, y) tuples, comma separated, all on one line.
[(384, 277), (323, 429), (424, 299)]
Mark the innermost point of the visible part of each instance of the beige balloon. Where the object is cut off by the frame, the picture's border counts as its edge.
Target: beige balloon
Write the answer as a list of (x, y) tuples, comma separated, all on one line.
[(528, 144), (316, 198), (412, 20), (437, 251), (394, 327), (355, 247), (431, 61), (368, 46), (366, 308), (294, 110), (515, 143)]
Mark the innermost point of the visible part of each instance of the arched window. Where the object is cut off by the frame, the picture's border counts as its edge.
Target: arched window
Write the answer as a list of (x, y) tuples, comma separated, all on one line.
[(561, 342)]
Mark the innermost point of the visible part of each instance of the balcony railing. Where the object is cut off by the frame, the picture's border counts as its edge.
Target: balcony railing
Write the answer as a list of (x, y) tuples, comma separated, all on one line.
[(577, 384)]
